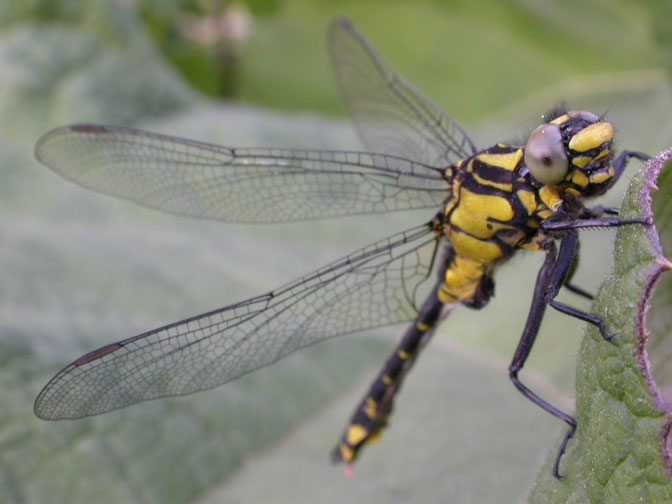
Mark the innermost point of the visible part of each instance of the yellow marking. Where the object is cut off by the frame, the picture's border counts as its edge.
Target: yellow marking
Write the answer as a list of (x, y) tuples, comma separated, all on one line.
[(573, 190), (544, 214), (591, 137), (450, 205), (422, 327), (455, 278), (471, 215), (579, 178), (454, 200), (347, 454), (528, 199), (602, 154), (473, 270), (402, 355), (550, 197), (475, 249), (535, 243), (508, 161), (446, 297), (530, 246), (560, 120), (450, 295), (355, 434), (497, 185), (602, 177), (581, 161), (371, 407), (375, 437), (387, 380), (461, 279)]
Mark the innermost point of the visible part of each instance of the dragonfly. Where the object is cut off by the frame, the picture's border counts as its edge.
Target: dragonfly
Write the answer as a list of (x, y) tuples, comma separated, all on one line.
[(487, 204)]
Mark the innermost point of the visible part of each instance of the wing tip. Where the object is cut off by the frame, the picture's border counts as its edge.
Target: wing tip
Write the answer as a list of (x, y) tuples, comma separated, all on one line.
[(343, 22), (40, 146), (41, 406)]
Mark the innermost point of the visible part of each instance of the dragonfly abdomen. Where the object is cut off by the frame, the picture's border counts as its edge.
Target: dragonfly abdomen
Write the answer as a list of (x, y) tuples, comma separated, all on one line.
[(372, 414)]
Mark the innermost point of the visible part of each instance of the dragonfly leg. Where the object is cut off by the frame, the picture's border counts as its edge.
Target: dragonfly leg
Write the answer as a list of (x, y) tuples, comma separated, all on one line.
[(594, 214), (578, 290), (562, 225), (526, 342), (563, 264), (372, 414), (622, 160), (568, 281), (599, 211)]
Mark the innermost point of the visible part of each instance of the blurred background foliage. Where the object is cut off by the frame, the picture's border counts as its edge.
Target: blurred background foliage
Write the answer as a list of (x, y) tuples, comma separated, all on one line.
[(471, 57), (254, 50), (81, 270)]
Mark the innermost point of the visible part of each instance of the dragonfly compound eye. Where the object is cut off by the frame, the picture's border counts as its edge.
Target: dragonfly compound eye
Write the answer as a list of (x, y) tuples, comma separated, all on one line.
[(545, 155)]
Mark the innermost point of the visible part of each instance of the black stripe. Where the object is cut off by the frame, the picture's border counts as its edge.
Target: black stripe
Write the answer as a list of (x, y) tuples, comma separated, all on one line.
[(500, 149), (493, 173)]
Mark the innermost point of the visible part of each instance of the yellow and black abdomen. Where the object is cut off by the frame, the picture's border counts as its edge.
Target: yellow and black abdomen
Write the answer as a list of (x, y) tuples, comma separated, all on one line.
[(490, 214)]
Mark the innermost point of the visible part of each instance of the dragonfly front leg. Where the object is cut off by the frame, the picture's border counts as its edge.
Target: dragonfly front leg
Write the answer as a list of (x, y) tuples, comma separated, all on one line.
[(622, 160), (527, 339), (567, 256)]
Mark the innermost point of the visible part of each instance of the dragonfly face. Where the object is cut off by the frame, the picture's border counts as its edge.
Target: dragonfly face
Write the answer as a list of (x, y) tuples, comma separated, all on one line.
[(490, 204), (573, 151)]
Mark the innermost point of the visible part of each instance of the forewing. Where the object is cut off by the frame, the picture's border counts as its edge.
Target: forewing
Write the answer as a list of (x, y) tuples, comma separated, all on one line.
[(391, 115), (373, 287), (250, 185)]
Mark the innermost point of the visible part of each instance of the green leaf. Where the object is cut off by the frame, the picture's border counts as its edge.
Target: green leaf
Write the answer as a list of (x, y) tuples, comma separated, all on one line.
[(84, 62), (621, 450)]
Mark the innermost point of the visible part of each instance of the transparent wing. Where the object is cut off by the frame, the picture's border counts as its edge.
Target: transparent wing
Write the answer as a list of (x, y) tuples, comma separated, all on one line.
[(391, 115), (251, 185), (372, 287)]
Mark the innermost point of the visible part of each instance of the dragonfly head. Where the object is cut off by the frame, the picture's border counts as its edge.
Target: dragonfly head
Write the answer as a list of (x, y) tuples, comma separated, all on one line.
[(572, 152)]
